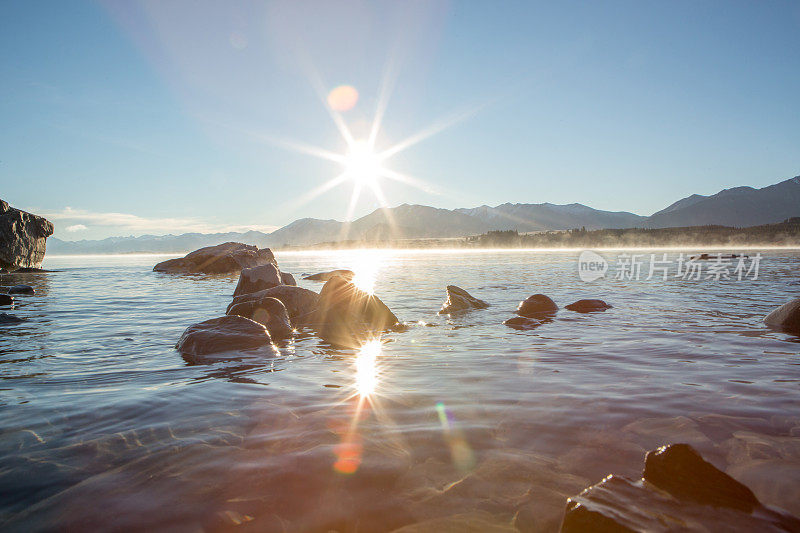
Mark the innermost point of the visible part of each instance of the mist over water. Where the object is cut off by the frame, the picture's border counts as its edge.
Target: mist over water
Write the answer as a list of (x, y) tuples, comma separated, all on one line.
[(105, 425)]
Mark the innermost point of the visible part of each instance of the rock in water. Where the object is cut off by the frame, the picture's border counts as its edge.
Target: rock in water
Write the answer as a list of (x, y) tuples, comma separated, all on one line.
[(21, 289), (5, 318), (679, 491), (786, 317), (5, 299), (226, 333), (521, 322), (267, 311), (536, 306), (326, 276), (298, 301), (288, 279), (257, 279), (459, 300), (348, 316), (23, 238), (220, 259), (588, 306)]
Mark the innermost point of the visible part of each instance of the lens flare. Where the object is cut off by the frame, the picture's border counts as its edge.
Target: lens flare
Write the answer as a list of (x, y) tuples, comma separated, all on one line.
[(343, 98), (366, 267)]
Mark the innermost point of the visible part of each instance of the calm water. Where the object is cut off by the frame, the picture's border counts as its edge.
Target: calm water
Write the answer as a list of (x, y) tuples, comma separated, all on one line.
[(105, 425)]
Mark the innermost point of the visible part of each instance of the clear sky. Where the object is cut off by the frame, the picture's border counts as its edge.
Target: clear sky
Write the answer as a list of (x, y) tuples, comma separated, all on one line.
[(121, 118)]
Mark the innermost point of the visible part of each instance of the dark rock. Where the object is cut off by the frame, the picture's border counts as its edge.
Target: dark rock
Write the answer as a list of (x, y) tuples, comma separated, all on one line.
[(459, 300), (267, 311), (223, 334), (23, 238), (786, 317), (288, 279), (21, 289), (521, 322), (588, 306), (220, 259), (326, 276), (298, 301), (5, 299), (5, 318), (348, 316), (29, 270), (680, 491), (257, 279), (537, 305)]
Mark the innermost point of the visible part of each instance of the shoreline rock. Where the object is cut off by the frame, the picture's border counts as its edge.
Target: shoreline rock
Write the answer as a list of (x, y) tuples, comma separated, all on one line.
[(5, 299), (6, 318), (588, 306), (226, 333), (785, 318), (326, 276), (270, 312), (258, 279), (459, 301), (220, 259), (536, 306), (298, 301), (21, 289), (23, 238)]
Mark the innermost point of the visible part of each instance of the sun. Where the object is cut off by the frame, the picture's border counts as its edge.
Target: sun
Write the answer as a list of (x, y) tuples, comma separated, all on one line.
[(362, 164)]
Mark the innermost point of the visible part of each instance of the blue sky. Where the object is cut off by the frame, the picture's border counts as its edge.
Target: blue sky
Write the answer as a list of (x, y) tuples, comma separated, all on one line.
[(124, 118)]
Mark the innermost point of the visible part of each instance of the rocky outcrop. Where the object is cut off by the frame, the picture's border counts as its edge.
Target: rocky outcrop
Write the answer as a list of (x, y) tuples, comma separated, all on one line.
[(298, 301), (267, 311), (220, 259), (23, 238), (348, 316), (21, 289), (326, 276), (226, 333), (257, 279), (786, 317), (459, 300), (588, 306), (679, 491), (536, 306)]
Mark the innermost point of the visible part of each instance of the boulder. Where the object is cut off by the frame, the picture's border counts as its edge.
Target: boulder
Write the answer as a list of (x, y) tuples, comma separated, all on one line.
[(521, 322), (536, 306), (21, 289), (786, 317), (459, 300), (326, 276), (288, 279), (679, 491), (23, 238), (5, 318), (267, 311), (588, 306), (257, 279), (298, 301), (220, 259), (5, 299), (226, 333), (348, 316)]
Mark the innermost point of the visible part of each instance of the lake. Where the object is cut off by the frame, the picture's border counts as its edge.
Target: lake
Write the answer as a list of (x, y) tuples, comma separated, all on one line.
[(458, 420)]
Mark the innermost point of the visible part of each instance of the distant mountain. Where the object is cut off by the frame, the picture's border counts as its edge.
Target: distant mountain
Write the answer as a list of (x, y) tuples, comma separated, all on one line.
[(739, 206)]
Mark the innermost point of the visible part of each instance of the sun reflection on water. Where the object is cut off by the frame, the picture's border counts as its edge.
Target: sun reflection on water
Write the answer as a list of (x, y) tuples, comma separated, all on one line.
[(366, 368)]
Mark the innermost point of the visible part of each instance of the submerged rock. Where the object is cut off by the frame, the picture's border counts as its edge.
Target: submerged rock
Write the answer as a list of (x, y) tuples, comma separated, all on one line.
[(220, 259), (786, 317), (521, 322), (298, 301), (536, 306), (679, 491), (226, 333), (267, 311), (21, 289), (326, 276), (257, 279), (288, 279), (6, 318), (5, 299), (348, 316), (459, 300), (23, 238), (588, 306)]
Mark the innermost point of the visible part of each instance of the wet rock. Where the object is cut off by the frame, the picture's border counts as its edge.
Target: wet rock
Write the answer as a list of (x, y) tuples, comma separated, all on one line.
[(588, 306), (679, 491), (536, 306), (23, 238), (521, 322), (298, 301), (220, 259), (267, 311), (21, 289), (288, 279), (257, 279), (459, 300), (30, 270), (326, 276), (5, 299), (348, 316), (786, 317), (222, 334), (5, 318)]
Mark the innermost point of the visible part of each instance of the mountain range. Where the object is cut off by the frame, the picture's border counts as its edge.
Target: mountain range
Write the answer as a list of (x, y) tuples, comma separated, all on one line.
[(739, 207)]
